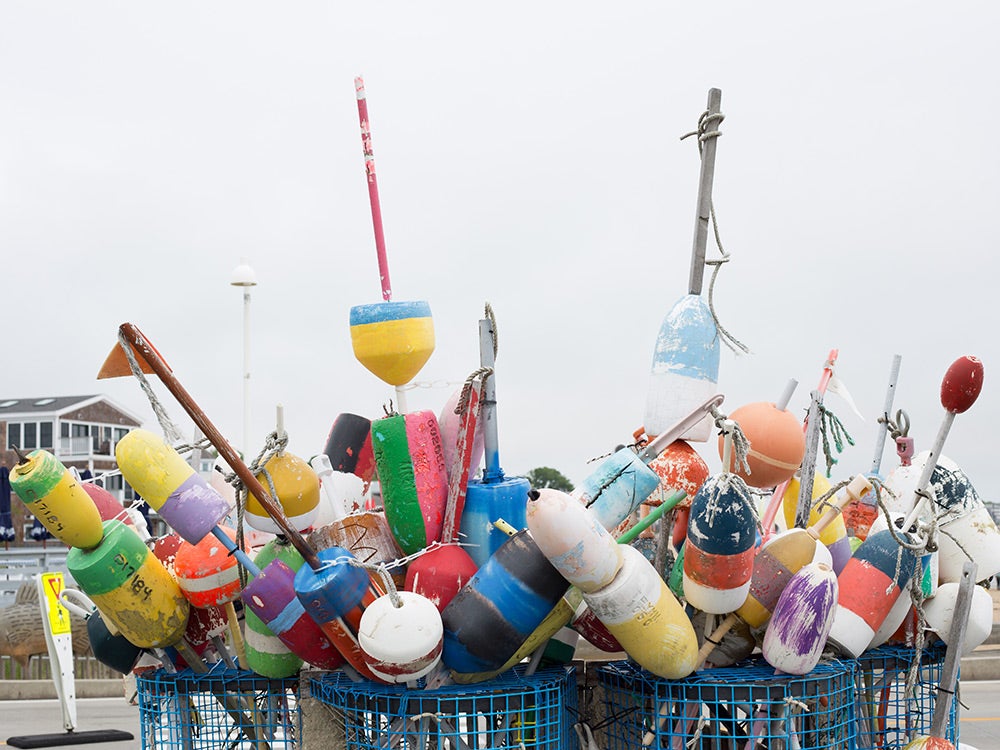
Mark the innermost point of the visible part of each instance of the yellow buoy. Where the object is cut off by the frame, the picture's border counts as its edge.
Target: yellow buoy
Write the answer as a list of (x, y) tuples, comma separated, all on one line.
[(169, 485), (393, 340), (296, 489), (56, 499), (131, 587)]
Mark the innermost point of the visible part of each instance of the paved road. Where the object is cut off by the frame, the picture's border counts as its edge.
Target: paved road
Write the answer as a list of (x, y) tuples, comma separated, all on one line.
[(980, 722)]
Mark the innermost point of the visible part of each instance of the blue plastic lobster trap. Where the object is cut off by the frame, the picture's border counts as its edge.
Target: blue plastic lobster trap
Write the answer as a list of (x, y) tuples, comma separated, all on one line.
[(225, 708), (888, 718), (736, 707), (513, 710)]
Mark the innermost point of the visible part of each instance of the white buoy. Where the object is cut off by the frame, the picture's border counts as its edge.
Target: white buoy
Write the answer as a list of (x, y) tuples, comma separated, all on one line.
[(401, 644), (940, 611)]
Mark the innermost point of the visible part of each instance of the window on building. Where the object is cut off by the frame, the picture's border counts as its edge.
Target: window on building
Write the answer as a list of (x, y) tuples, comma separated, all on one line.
[(64, 429), (30, 436), (45, 435), (14, 434)]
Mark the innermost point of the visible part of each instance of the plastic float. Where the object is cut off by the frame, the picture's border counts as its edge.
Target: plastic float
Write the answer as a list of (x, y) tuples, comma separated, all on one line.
[(55, 498), (495, 495), (797, 631), (777, 444), (393, 340), (516, 589), (685, 368), (719, 551), (410, 465), (442, 571)]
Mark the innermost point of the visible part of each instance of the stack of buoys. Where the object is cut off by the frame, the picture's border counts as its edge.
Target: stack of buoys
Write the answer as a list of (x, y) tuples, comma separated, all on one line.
[(108, 560)]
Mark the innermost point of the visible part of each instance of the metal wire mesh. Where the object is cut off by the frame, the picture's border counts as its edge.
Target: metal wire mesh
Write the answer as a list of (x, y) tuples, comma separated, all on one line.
[(222, 709), (745, 706), (887, 717), (513, 710)]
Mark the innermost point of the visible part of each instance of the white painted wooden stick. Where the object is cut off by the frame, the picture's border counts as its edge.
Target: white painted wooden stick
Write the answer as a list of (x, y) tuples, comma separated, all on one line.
[(953, 654), (786, 395)]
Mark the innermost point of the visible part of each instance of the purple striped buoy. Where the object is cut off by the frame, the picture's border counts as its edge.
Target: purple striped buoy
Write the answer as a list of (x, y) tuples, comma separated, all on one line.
[(802, 618)]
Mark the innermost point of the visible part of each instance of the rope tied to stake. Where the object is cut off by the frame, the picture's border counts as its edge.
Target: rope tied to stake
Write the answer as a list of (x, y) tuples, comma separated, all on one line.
[(704, 134), (830, 426), (166, 424)]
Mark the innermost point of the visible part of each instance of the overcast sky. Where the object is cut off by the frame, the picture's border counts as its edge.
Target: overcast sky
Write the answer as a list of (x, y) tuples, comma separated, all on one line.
[(528, 156)]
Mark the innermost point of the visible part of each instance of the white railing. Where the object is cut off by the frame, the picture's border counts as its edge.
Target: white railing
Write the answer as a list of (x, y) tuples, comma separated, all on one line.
[(84, 446), (20, 564)]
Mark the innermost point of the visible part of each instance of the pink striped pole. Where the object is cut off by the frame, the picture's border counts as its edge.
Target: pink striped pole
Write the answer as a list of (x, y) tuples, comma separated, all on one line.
[(366, 143), (767, 520)]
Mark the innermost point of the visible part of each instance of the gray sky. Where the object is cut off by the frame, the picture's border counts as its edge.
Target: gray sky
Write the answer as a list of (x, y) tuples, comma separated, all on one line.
[(528, 155)]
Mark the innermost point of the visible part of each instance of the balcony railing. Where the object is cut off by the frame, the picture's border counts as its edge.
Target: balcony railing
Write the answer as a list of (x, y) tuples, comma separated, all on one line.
[(85, 446)]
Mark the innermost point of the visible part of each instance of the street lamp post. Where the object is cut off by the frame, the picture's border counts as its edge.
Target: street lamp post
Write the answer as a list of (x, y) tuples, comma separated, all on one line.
[(244, 276)]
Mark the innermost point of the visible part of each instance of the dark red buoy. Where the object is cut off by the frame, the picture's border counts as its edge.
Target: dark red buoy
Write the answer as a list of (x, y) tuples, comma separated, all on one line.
[(962, 383)]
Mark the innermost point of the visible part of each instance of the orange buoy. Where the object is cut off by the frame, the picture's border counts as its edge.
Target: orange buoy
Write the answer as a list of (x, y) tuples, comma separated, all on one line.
[(207, 573), (777, 443)]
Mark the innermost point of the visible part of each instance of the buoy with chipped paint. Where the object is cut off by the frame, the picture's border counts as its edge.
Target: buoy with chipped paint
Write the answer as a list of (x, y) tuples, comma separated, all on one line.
[(271, 596), (834, 534), (940, 613), (349, 447), (719, 551), (131, 587), (410, 464), (797, 632), (169, 485), (335, 595), (869, 585), (508, 597), (265, 652), (777, 444), (207, 574), (573, 540), (623, 481), (401, 636), (53, 496), (685, 368), (295, 488), (645, 618)]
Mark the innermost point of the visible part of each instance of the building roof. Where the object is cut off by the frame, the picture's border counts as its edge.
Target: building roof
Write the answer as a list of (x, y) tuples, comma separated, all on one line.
[(55, 406)]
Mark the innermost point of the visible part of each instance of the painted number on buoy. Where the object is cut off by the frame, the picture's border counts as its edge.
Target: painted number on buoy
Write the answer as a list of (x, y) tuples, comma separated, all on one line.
[(137, 584), (53, 522)]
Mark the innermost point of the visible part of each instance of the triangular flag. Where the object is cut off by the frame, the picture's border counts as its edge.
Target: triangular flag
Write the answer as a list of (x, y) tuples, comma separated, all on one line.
[(116, 365), (837, 386)]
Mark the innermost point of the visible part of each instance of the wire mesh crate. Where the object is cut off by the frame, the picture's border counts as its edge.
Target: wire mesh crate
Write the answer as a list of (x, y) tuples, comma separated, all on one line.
[(888, 718), (514, 710), (225, 708), (735, 707)]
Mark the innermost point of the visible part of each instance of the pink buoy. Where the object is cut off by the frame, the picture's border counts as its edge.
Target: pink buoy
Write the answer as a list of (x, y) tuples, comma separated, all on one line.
[(410, 461)]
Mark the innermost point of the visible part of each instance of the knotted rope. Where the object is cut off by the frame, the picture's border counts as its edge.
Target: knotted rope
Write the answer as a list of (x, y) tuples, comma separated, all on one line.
[(705, 121)]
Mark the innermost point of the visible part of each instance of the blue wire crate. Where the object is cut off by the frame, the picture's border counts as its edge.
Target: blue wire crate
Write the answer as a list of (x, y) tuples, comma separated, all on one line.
[(513, 710), (887, 718), (735, 707), (225, 708)]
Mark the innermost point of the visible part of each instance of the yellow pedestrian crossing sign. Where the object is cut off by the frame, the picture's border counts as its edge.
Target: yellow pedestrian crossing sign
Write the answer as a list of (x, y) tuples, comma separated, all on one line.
[(52, 585)]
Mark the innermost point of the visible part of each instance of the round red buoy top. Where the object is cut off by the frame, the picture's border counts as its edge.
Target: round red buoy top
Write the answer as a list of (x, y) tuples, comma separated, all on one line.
[(962, 383)]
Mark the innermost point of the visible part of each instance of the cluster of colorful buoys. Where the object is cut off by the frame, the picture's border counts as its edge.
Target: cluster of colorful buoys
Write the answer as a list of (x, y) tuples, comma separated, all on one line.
[(378, 606), (386, 594)]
